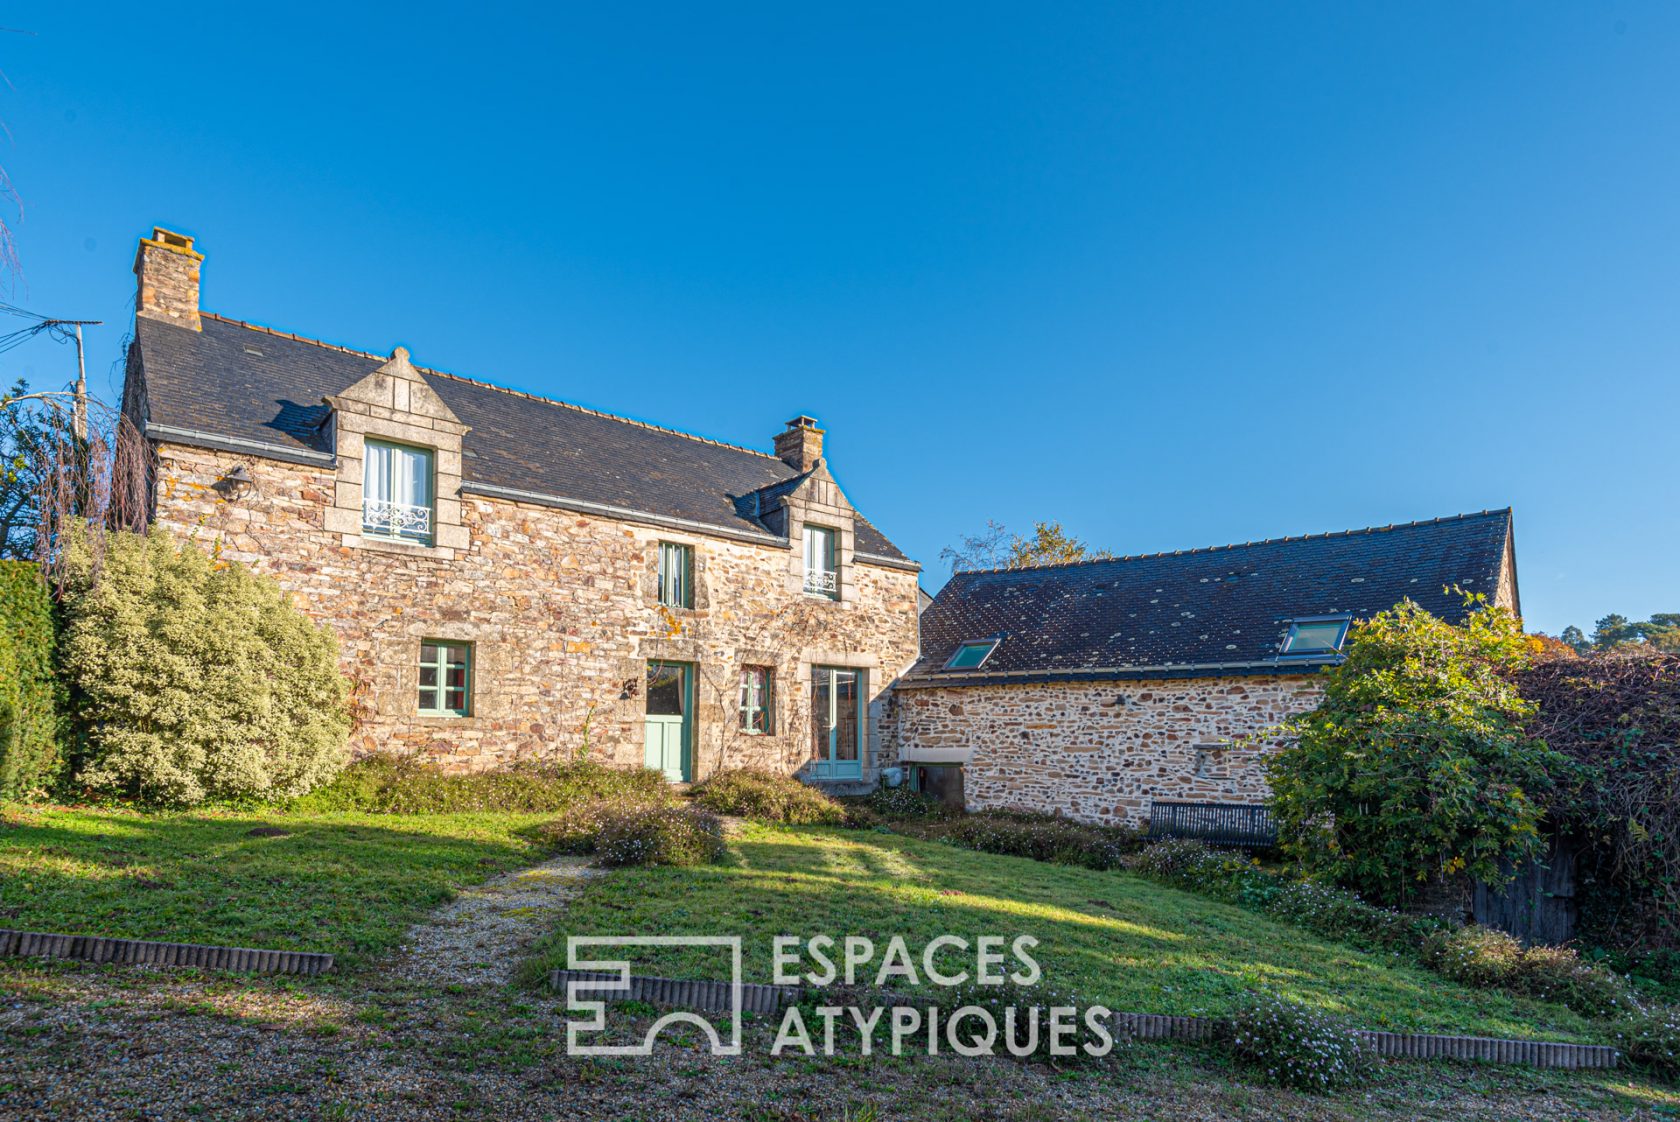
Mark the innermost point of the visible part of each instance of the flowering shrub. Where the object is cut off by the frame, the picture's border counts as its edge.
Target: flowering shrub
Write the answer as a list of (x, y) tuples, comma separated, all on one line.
[(1478, 956), (902, 802), (1041, 837), (1652, 1041), (768, 797), (1295, 1046), (659, 834), (196, 680)]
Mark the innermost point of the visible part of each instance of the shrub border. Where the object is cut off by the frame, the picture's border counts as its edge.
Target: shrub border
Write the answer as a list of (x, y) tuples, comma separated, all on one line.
[(760, 998), (131, 952)]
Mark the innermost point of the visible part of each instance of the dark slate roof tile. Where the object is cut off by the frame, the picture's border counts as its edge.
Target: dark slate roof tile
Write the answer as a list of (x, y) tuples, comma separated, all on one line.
[(251, 384), (1203, 608)]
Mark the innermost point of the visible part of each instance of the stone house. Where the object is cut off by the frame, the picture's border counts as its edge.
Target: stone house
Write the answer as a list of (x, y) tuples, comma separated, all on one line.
[(1094, 689), (512, 577)]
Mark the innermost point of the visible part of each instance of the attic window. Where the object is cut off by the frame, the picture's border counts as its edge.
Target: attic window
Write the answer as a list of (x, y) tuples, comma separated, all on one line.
[(972, 655), (1315, 635)]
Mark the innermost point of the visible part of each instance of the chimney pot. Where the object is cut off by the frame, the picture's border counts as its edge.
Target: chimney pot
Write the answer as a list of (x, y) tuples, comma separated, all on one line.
[(167, 267), (800, 445)]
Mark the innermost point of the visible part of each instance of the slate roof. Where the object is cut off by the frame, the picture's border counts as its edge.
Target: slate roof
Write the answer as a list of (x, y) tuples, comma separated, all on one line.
[(1202, 612), (238, 385)]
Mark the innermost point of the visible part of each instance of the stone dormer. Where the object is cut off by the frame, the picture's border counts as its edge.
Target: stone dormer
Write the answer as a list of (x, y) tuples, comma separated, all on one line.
[(811, 500), (394, 408)]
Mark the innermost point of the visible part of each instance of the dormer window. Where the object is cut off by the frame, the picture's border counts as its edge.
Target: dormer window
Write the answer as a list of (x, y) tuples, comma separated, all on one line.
[(972, 655), (1315, 635), (822, 569), (398, 495)]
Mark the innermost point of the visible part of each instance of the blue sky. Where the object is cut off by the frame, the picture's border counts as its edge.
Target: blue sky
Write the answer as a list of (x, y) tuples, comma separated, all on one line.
[(1177, 275)]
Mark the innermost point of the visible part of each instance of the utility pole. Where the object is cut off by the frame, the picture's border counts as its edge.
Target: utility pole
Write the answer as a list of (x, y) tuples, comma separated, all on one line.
[(80, 421)]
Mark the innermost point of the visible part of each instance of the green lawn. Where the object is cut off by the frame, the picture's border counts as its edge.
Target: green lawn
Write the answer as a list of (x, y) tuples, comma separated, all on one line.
[(349, 884), (1111, 937)]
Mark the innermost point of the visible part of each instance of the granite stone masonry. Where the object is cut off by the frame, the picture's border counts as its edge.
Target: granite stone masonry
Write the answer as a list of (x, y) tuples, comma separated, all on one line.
[(1100, 752)]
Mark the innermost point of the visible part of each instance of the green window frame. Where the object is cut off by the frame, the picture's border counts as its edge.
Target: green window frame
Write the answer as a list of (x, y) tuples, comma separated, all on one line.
[(758, 700), (676, 575), (446, 678), (399, 492)]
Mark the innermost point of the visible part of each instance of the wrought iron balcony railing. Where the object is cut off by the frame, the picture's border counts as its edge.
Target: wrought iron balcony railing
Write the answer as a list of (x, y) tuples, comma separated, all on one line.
[(397, 520), (822, 582)]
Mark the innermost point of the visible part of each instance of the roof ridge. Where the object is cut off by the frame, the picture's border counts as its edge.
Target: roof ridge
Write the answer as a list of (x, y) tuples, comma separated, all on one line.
[(486, 385), (1243, 545)]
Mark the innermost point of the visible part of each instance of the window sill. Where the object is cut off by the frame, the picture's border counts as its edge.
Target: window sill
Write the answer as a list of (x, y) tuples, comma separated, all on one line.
[(399, 547)]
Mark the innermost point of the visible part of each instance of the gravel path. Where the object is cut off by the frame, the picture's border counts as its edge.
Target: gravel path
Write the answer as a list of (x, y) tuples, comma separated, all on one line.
[(479, 938)]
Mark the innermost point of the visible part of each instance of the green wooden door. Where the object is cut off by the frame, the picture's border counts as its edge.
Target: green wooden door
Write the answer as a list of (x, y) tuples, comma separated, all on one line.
[(670, 720)]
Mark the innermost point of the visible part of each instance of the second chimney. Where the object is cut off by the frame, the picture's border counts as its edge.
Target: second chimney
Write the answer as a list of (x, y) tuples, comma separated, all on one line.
[(799, 446), (167, 269)]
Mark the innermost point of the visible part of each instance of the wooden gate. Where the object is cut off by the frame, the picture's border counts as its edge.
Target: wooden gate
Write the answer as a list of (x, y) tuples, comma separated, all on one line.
[(1538, 906)]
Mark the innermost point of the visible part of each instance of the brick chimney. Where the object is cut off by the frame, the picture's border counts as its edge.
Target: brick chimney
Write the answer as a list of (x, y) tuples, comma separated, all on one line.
[(799, 446), (167, 269)]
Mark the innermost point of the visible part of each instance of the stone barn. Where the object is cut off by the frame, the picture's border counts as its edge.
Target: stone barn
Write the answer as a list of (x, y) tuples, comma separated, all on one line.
[(1094, 689)]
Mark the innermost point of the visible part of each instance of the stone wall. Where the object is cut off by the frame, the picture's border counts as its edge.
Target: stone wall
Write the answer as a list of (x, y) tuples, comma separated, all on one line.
[(563, 614), (1101, 752)]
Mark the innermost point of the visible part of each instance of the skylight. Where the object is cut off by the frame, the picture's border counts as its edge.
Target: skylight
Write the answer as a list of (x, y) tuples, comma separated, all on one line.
[(973, 654), (1319, 635)]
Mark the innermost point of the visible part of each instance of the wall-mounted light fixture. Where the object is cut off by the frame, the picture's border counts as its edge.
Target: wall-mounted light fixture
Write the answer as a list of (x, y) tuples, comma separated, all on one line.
[(236, 484)]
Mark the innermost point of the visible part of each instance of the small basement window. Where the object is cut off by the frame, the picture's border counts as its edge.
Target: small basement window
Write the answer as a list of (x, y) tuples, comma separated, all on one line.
[(1318, 636), (972, 655)]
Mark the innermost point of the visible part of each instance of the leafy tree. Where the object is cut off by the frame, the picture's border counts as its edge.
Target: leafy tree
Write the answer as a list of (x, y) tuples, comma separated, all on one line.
[(996, 548), (24, 436), (195, 679), (1661, 631), (1415, 771)]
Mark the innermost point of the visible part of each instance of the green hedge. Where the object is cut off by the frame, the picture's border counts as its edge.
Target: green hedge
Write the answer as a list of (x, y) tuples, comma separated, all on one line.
[(31, 696)]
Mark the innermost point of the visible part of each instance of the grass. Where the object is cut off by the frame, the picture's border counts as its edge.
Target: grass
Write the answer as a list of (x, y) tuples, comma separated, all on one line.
[(345, 883), (1111, 937)]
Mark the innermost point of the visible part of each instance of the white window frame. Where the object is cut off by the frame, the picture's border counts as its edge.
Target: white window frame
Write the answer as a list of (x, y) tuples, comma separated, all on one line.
[(822, 562), (399, 503)]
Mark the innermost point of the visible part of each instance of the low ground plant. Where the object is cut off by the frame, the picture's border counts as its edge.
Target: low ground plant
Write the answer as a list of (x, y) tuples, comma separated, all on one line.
[(389, 784), (1481, 957), (1294, 1045), (1651, 1041), (766, 796), (1042, 837), (659, 834), (902, 802)]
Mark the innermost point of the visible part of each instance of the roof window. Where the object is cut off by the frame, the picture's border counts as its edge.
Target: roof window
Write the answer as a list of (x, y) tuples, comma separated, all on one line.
[(1314, 635), (972, 654)]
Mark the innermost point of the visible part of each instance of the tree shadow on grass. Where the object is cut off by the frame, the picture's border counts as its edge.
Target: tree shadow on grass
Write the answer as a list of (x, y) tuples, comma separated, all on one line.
[(1140, 947)]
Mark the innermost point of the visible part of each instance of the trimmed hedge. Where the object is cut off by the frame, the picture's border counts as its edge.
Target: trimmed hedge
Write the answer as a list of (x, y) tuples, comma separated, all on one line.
[(31, 694)]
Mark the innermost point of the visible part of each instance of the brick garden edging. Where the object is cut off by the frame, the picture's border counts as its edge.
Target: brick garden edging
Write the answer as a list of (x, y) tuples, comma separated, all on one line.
[(759, 998), (128, 952)]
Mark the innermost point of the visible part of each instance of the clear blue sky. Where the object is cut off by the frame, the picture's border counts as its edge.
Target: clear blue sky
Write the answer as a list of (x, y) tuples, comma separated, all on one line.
[(1177, 275)]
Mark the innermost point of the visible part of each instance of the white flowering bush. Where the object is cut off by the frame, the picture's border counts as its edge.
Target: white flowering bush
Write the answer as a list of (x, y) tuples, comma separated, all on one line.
[(196, 680), (659, 834), (1479, 956), (1652, 1041), (1292, 1045)]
